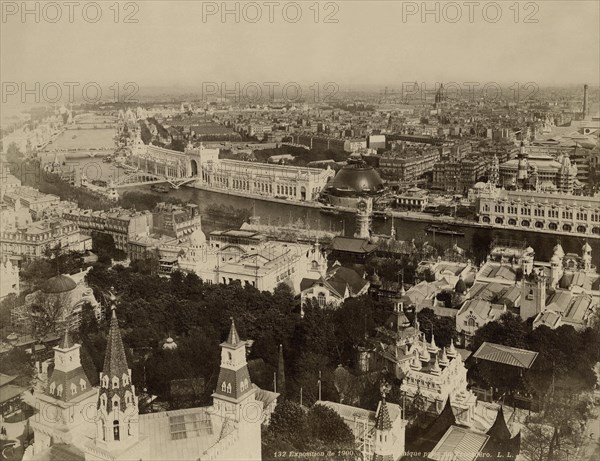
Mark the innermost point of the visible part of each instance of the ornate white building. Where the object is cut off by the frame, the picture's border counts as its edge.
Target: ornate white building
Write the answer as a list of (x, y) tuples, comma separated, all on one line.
[(77, 421)]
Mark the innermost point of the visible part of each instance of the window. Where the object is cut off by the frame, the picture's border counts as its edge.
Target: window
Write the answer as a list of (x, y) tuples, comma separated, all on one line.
[(59, 390), (52, 387), (223, 387), (105, 381), (116, 435), (321, 299), (115, 382), (229, 388), (73, 389)]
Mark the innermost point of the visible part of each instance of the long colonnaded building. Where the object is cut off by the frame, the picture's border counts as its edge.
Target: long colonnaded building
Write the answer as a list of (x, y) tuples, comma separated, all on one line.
[(261, 179), (526, 209)]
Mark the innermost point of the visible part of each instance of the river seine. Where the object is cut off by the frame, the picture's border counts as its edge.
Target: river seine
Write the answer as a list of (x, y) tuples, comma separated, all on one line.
[(278, 214)]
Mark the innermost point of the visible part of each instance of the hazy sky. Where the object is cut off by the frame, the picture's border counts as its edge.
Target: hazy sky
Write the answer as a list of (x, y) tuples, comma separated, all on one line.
[(371, 43)]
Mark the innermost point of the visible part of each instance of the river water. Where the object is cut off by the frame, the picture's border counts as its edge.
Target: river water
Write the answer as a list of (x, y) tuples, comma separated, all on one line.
[(476, 239)]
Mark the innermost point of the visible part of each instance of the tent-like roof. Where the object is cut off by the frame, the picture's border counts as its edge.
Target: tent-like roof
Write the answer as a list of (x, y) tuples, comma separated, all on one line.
[(507, 355)]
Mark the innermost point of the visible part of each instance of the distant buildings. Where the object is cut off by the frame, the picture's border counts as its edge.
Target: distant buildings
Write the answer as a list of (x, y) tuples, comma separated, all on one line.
[(524, 209), (539, 171), (458, 176), (410, 166)]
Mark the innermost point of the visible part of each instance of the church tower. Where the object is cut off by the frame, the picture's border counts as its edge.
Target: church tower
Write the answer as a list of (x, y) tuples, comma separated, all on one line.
[(234, 398), (117, 430), (234, 387), (533, 294), (523, 165), (66, 401)]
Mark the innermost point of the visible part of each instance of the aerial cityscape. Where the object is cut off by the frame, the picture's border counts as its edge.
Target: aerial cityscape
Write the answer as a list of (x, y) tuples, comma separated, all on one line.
[(363, 230)]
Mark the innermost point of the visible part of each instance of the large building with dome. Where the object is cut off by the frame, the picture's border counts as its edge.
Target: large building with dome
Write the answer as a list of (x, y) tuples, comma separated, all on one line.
[(353, 182)]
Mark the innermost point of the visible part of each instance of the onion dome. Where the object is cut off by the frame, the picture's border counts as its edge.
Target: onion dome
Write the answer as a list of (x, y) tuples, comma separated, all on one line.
[(59, 284), (435, 369), (444, 358), (451, 350), (555, 260), (558, 250), (169, 344), (432, 347), (197, 238), (356, 178)]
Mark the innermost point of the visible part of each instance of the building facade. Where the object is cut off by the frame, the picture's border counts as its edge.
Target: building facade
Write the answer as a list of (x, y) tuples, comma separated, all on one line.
[(566, 213)]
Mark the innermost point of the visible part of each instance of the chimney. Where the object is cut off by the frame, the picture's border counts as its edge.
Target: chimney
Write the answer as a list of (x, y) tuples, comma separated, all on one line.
[(585, 100)]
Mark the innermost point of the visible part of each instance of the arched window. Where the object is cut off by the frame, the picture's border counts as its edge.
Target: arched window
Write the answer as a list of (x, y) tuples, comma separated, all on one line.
[(103, 401), (223, 387), (230, 356), (471, 322), (103, 430), (321, 299), (229, 388), (116, 435)]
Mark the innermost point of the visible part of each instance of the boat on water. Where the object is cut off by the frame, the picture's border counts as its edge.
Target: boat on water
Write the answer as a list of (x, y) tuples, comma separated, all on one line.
[(379, 214), (159, 188), (329, 210), (443, 230)]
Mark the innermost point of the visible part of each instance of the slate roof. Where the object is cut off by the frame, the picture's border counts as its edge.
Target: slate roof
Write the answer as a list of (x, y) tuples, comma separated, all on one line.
[(383, 422), (352, 245), (507, 355)]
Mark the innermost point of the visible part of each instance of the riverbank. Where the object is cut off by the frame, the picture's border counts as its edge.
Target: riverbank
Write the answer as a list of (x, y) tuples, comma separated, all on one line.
[(427, 218)]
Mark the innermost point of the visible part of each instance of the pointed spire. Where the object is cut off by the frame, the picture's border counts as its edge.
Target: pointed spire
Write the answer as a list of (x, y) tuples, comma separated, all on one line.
[(383, 421), (233, 338), (281, 372), (435, 369), (115, 361), (66, 341), (432, 347), (451, 350), (444, 358)]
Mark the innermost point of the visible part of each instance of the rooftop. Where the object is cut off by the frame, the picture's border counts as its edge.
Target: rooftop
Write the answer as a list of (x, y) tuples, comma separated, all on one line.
[(507, 355)]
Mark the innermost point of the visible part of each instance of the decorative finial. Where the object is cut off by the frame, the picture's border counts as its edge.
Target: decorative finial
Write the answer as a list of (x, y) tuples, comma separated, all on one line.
[(384, 389)]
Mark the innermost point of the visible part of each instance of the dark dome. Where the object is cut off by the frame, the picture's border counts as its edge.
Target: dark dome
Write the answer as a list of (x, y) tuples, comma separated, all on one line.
[(59, 284), (356, 178)]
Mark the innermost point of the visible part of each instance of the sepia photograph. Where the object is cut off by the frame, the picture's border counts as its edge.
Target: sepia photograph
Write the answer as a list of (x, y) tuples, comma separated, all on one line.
[(312, 230)]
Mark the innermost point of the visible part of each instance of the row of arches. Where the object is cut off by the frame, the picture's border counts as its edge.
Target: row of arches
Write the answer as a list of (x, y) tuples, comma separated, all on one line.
[(527, 224)]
